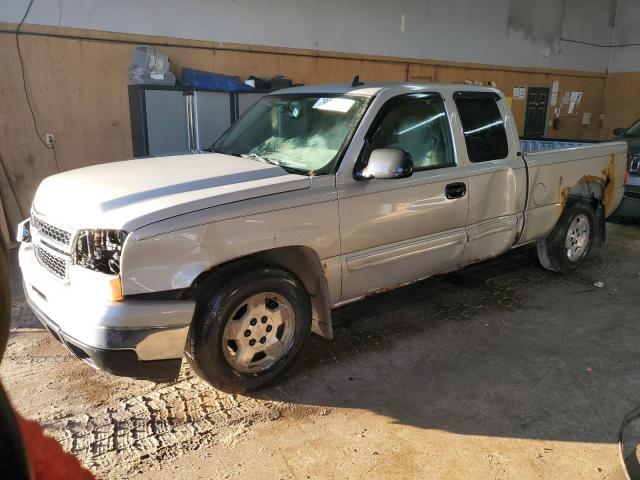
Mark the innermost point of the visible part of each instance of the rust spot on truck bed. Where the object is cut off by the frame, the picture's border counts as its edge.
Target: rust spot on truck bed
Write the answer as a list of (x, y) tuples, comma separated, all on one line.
[(564, 192), (610, 185), (606, 179)]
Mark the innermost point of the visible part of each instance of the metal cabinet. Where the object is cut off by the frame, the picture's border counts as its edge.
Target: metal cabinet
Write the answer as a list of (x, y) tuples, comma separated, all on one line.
[(244, 100), (165, 129), (170, 120), (174, 120)]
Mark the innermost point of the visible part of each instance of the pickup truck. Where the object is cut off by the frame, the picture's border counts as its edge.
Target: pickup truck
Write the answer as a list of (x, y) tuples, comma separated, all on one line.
[(630, 207), (316, 197)]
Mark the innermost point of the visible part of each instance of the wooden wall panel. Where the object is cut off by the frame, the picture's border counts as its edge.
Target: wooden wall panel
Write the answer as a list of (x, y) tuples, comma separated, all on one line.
[(78, 88), (306, 69), (622, 101), (421, 73), (592, 98), (78, 94), (190, 58)]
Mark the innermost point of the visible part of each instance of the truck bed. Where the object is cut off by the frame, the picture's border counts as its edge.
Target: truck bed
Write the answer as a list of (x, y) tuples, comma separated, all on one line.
[(560, 169), (530, 146)]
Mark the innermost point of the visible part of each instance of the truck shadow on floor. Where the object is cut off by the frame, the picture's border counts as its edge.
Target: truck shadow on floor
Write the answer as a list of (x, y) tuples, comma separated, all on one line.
[(502, 348)]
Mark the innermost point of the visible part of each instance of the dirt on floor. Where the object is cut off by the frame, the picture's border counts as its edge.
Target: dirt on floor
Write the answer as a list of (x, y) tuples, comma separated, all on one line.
[(501, 370)]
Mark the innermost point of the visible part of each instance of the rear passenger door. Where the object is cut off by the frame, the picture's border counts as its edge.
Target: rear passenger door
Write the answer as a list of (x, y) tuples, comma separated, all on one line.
[(495, 172), (394, 231)]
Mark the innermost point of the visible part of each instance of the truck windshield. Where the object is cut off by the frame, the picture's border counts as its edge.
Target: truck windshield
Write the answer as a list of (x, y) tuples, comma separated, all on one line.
[(633, 130), (301, 133)]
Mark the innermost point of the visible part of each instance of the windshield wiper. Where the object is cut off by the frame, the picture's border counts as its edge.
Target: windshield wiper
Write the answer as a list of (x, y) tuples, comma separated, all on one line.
[(255, 156), (271, 161)]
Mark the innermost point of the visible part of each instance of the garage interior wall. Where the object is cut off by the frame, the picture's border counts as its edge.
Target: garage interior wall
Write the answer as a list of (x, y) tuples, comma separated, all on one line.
[(76, 55), (622, 100)]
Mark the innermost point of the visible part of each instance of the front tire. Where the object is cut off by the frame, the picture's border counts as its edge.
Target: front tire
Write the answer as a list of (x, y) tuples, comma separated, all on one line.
[(570, 241), (249, 330)]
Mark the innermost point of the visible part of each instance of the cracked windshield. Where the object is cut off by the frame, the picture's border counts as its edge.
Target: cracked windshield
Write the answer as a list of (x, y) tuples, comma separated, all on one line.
[(304, 134)]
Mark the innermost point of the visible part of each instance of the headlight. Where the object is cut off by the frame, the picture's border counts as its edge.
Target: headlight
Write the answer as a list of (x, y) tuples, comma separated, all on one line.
[(634, 164), (23, 233), (100, 250)]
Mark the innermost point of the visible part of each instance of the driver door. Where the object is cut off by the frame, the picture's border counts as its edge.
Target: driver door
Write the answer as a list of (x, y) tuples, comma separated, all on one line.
[(399, 230)]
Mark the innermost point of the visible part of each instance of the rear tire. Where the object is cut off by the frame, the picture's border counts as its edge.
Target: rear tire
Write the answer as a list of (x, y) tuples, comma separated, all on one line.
[(570, 241), (250, 329)]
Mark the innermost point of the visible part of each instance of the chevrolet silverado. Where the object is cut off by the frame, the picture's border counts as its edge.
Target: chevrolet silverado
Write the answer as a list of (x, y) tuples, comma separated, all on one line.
[(317, 196)]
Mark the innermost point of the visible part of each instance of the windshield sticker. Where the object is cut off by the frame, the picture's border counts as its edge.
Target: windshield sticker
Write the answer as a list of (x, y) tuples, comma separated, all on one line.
[(341, 105)]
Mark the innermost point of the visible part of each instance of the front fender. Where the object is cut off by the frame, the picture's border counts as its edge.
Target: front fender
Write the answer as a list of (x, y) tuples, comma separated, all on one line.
[(173, 260)]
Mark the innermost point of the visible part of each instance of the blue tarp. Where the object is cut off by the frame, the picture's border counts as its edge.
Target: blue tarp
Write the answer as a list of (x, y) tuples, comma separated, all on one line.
[(212, 81)]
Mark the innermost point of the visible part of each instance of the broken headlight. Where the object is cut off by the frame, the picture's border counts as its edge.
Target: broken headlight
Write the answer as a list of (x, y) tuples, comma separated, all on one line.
[(100, 250)]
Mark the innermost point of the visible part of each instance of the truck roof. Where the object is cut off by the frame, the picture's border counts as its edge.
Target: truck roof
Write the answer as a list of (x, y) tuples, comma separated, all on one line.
[(370, 89)]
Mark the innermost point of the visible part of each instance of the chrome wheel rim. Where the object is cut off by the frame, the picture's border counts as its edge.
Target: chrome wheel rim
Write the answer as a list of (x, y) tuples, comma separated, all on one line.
[(259, 332), (578, 237)]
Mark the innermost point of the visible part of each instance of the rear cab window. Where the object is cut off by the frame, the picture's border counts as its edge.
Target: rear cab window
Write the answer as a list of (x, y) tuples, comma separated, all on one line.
[(483, 126)]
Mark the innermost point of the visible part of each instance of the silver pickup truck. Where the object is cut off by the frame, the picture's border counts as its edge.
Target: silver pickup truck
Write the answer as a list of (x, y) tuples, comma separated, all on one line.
[(318, 196)]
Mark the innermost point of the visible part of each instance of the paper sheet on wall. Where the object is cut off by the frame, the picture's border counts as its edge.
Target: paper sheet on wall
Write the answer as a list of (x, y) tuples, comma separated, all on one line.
[(554, 93), (574, 101), (519, 93)]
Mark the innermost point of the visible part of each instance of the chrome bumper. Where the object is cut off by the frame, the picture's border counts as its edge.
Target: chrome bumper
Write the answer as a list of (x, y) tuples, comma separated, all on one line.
[(78, 313)]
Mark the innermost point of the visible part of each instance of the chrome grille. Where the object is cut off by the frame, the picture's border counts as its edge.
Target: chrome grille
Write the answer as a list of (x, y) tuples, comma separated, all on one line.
[(635, 164), (53, 263), (46, 230)]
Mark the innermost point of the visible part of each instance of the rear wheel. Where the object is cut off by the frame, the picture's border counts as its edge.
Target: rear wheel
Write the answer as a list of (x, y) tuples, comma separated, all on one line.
[(250, 329), (568, 244)]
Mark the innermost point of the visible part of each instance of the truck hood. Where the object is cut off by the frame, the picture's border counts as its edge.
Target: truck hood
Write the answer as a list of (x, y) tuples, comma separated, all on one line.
[(131, 194)]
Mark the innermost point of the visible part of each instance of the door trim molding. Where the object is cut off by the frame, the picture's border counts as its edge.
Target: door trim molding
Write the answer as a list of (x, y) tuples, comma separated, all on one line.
[(402, 250), (491, 227)]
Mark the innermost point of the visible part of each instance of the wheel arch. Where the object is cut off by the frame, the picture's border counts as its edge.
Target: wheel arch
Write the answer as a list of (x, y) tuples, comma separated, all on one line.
[(591, 191), (301, 260)]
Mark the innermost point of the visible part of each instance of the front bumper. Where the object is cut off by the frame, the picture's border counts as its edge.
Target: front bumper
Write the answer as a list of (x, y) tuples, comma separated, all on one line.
[(630, 205), (136, 338), (632, 189)]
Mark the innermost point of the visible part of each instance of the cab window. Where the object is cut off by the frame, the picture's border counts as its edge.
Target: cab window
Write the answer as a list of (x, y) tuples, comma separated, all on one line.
[(419, 126), (483, 126)]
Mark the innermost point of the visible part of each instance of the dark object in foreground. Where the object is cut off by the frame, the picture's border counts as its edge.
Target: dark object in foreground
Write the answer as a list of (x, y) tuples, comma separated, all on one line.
[(25, 452)]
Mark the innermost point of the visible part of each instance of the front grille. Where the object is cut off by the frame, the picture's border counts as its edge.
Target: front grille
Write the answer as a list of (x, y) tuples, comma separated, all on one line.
[(53, 263), (56, 234), (635, 165)]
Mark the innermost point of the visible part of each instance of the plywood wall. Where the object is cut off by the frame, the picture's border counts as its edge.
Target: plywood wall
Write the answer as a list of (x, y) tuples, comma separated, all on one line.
[(622, 101), (78, 90)]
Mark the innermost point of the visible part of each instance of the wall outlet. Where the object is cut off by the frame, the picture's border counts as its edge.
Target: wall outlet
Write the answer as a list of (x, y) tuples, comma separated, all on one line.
[(49, 138)]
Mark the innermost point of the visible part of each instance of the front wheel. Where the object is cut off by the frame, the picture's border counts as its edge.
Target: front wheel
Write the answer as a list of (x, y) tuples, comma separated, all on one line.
[(568, 244), (250, 329)]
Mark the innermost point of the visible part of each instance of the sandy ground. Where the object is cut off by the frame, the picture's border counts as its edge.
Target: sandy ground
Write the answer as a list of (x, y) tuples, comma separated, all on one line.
[(502, 370)]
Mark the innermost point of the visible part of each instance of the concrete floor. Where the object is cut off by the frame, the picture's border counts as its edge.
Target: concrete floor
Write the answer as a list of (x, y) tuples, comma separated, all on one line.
[(501, 370)]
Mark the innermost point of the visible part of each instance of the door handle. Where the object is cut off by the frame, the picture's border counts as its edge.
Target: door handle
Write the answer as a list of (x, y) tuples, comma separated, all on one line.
[(455, 190)]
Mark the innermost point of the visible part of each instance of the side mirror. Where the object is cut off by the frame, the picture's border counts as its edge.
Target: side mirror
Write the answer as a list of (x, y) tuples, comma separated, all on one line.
[(386, 163), (618, 132)]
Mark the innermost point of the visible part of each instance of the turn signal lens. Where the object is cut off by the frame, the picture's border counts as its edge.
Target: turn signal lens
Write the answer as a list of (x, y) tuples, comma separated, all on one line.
[(116, 289)]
